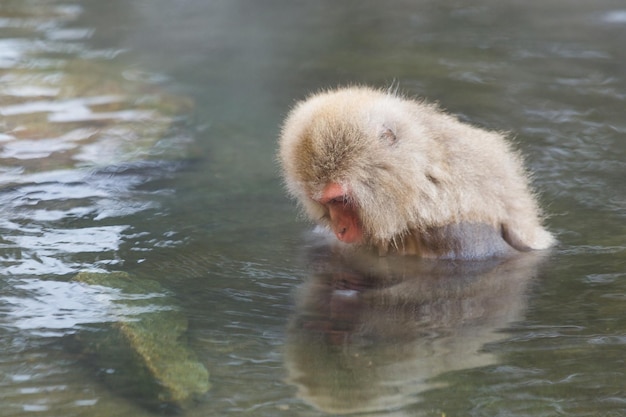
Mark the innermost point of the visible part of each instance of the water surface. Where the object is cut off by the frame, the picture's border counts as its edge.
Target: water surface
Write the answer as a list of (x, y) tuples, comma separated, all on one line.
[(140, 136)]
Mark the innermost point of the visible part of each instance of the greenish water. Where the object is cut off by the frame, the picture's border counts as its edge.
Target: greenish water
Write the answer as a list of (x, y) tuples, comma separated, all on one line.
[(140, 136)]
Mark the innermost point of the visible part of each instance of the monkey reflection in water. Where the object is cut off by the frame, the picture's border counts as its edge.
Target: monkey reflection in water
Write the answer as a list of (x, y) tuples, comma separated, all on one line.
[(393, 176), (370, 334)]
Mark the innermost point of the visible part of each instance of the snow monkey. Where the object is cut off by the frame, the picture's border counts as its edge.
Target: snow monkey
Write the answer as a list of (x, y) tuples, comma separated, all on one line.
[(401, 176)]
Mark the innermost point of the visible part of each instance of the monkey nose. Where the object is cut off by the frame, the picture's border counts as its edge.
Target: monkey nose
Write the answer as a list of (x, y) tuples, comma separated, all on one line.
[(332, 191)]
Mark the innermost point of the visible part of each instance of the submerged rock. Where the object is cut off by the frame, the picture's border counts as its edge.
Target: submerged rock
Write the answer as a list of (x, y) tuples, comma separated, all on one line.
[(86, 113), (142, 353)]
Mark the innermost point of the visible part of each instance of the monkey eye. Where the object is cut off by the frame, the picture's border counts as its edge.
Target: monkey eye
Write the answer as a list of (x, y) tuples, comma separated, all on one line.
[(339, 200)]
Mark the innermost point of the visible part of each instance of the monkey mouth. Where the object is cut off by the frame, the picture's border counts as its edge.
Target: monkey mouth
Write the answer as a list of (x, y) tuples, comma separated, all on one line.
[(348, 230), (342, 213)]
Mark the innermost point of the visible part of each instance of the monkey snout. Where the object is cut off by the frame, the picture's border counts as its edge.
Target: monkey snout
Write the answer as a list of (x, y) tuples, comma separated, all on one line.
[(346, 228)]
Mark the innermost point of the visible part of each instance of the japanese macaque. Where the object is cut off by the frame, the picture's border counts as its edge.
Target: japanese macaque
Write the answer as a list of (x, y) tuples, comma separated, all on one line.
[(398, 175)]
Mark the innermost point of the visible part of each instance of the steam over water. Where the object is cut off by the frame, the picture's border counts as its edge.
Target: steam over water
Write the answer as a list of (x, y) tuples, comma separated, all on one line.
[(140, 136)]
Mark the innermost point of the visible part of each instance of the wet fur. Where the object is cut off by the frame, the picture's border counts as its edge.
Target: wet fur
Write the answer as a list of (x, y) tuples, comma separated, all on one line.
[(424, 182)]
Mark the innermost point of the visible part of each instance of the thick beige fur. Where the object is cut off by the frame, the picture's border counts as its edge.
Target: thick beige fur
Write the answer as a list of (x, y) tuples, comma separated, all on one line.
[(416, 173)]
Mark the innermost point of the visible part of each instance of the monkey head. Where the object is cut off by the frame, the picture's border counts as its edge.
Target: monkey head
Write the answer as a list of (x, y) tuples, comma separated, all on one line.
[(343, 162)]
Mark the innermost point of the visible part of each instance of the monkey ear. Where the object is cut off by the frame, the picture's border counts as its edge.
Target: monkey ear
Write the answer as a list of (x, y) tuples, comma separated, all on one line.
[(388, 136)]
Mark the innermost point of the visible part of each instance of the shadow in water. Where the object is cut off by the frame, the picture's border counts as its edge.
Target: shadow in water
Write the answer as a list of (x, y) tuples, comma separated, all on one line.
[(370, 334)]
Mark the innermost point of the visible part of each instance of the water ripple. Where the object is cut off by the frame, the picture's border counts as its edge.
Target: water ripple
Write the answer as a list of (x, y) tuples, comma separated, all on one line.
[(56, 308), (77, 133)]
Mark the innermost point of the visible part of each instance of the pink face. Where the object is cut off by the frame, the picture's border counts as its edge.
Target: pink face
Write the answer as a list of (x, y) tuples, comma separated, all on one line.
[(342, 212)]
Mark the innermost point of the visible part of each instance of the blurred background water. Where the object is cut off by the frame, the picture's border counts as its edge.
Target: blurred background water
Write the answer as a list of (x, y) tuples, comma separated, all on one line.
[(140, 136)]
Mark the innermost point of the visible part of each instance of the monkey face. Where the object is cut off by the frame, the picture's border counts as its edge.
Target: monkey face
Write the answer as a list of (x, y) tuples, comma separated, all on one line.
[(342, 213), (341, 174)]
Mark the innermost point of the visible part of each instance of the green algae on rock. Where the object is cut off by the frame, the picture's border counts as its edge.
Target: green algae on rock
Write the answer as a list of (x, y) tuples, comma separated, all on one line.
[(143, 352)]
